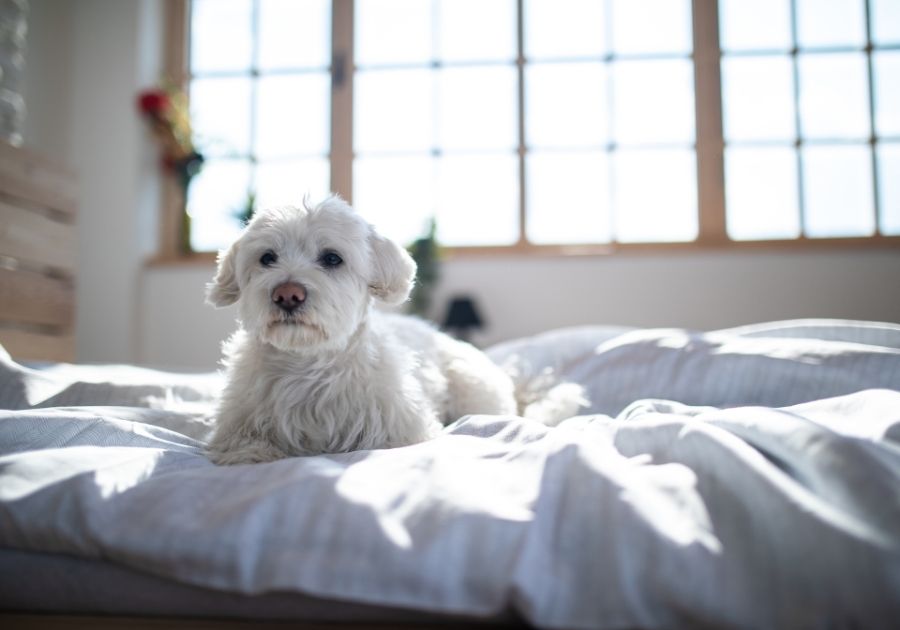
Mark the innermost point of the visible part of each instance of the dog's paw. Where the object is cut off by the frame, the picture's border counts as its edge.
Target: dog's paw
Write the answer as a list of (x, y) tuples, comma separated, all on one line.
[(558, 403), (542, 396), (255, 453)]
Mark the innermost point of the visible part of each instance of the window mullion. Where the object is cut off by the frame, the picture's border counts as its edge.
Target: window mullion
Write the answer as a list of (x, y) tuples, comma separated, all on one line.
[(522, 150), (708, 112), (342, 71), (873, 132), (798, 126)]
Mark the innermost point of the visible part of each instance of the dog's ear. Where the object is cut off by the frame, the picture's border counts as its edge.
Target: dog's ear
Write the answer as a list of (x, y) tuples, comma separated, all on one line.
[(224, 289), (393, 270)]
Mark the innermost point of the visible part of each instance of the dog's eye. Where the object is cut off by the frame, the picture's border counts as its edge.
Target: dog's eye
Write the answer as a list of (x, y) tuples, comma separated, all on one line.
[(330, 259), (268, 259)]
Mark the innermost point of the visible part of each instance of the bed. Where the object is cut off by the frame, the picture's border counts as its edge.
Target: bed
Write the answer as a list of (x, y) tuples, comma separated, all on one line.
[(739, 478)]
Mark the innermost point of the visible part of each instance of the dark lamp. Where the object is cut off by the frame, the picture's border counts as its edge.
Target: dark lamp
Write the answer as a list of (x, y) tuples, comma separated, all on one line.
[(462, 317)]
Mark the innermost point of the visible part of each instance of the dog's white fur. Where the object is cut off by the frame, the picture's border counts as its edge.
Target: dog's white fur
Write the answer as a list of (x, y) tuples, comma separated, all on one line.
[(336, 375)]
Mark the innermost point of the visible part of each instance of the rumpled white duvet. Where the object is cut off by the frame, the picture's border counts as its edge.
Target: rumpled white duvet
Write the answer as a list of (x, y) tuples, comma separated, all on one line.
[(746, 478)]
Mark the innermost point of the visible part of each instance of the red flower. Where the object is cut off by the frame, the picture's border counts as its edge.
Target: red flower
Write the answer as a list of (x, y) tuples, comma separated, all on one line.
[(153, 102), (167, 112)]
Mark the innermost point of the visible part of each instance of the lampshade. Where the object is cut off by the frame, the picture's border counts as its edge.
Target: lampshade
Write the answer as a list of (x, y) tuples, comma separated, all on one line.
[(462, 314)]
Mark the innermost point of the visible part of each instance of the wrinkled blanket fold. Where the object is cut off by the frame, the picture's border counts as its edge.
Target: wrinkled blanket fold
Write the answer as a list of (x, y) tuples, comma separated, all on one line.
[(723, 479)]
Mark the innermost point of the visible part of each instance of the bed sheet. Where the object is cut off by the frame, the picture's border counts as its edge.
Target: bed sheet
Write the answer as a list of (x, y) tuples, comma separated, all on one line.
[(748, 477)]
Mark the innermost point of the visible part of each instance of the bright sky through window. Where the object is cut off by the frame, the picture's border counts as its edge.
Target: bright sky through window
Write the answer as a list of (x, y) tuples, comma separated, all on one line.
[(803, 154), (260, 103), (607, 104), (581, 133)]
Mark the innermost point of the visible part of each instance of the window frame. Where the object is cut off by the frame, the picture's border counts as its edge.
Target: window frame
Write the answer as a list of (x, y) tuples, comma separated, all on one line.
[(709, 148)]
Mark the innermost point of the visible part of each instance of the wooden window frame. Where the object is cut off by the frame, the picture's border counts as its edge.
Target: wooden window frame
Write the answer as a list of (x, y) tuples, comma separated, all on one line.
[(708, 147)]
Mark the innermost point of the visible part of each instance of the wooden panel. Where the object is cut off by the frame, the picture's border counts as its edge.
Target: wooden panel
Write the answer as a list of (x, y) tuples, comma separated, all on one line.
[(30, 236), (37, 257), (34, 179), (32, 346), (41, 182), (33, 298)]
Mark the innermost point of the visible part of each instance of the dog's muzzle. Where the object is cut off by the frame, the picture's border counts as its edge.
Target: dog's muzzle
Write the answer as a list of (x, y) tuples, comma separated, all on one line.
[(289, 296)]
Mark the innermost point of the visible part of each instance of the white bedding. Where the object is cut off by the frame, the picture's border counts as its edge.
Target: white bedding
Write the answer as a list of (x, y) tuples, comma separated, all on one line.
[(764, 492)]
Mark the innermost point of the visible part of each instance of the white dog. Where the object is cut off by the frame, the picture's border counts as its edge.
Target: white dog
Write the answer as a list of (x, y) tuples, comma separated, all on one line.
[(314, 367)]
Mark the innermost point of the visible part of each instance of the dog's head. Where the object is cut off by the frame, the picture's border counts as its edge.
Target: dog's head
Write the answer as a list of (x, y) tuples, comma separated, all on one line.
[(303, 278)]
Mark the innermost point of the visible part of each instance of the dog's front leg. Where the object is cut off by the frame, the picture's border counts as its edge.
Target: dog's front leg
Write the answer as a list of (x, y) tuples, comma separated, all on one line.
[(228, 449), (253, 453)]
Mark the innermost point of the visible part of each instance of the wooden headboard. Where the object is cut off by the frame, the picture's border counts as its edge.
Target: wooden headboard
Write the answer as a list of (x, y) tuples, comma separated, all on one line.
[(37, 257)]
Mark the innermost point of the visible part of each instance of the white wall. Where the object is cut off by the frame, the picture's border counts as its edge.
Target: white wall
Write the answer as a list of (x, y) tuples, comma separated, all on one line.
[(87, 59), (85, 63), (698, 290), (523, 296)]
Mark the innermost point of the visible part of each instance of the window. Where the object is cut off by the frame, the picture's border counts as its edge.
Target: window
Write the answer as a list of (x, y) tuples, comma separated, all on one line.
[(606, 102), (554, 125), (435, 125), (260, 100), (811, 123)]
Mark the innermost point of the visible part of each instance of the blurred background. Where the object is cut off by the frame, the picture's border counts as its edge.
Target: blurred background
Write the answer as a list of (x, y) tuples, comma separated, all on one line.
[(661, 163)]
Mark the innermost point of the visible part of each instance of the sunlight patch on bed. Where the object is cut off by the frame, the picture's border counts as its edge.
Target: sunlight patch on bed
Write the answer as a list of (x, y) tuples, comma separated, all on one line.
[(652, 335), (38, 389), (666, 496), (126, 473), (408, 500), (811, 352), (26, 474)]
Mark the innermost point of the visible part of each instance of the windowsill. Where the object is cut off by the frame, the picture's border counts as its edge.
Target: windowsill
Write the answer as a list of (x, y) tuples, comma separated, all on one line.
[(194, 259), (606, 250)]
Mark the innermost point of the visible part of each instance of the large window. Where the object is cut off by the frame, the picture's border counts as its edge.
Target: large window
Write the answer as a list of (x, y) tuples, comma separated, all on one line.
[(260, 95), (556, 125), (811, 94), (552, 123)]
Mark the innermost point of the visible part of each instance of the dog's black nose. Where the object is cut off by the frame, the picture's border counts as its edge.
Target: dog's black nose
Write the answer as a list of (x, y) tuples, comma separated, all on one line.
[(289, 296)]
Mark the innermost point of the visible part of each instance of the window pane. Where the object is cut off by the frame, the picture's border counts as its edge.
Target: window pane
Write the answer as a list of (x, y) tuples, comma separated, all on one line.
[(294, 34), (837, 187), (654, 195), (477, 108), (653, 101), (393, 31), (834, 96), (217, 195), (477, 30), (396, 194), (221, 35), (293, 115), (889, 188), (566, 105), (557, 29), (286, 183), (478, 202), (761, 193), (885, 16), (828, 23), (758, 98), (651, 26), (385, 121), (220, 115), (568, 198), (887, 92), (755, 25)]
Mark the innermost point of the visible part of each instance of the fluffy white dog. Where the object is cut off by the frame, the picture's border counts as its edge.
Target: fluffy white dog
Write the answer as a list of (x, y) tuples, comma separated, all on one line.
[(314, 367)]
